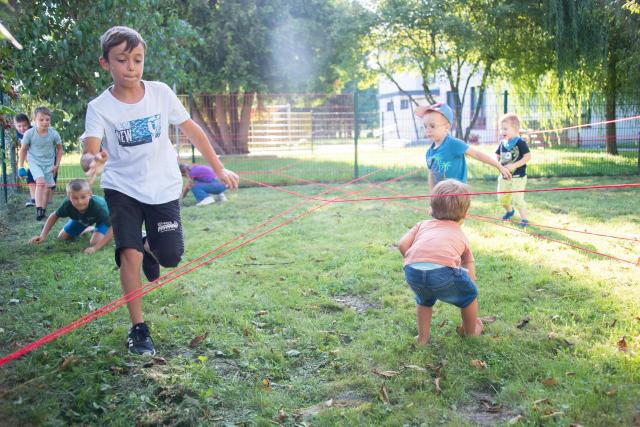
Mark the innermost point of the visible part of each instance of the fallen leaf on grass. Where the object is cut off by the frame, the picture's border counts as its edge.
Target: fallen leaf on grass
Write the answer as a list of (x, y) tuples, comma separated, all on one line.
[(315, 409), (159, 360), (570, 374), (551, 415), (116, 370), (383, 394), (441, 324), (197, 340), (478, 363), (549, 382), (545, 400), (622, 344), (414, 367), (575, 425), (67, 361), (281, 417), (436, 382), (611, 392), (488, 319), (386, 374), (516, 420), (259, 324), (522, 323), (266, 384), (262, 313)]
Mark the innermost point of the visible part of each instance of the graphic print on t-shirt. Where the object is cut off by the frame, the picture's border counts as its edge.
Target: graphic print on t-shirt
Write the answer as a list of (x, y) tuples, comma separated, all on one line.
[(507, 157), (139, 131)]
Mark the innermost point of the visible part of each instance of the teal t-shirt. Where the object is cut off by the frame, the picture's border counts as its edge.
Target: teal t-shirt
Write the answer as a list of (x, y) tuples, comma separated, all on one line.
[(97, 212), (42, 149), (447, 161)]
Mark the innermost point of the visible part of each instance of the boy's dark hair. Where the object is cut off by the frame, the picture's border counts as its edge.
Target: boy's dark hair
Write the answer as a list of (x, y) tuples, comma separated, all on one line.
[(184, 168), (42, 110), (452, 207), (78, 185), (118, 34), (21, 117)]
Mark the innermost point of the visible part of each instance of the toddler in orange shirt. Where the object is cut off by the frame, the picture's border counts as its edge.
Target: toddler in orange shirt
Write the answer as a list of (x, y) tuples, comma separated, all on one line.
[(438, 262)]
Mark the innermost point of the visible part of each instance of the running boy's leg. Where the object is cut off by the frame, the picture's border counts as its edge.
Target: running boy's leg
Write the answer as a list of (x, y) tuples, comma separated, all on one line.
[(164, 233)]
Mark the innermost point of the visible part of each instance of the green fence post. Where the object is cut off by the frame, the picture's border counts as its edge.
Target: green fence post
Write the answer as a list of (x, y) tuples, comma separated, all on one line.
[(505, 102), (193, 151), (356, 133), (2, 153)]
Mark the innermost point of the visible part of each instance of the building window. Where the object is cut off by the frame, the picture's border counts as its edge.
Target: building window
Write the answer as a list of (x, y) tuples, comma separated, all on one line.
[(404, 104), (390, 106)]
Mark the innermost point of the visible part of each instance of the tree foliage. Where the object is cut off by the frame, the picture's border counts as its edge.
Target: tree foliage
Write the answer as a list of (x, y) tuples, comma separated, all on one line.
[(455, 40), (59, 62)]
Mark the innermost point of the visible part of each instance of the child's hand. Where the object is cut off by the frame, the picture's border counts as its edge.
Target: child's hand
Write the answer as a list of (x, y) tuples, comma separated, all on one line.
[(230, 179), (96, 166), (506, 174), (90, 250), (36, 240), (511, 167), (22, 173)]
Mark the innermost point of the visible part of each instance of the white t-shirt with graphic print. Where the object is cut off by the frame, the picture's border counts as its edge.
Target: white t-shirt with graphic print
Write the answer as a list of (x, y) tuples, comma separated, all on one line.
[(142, 162)]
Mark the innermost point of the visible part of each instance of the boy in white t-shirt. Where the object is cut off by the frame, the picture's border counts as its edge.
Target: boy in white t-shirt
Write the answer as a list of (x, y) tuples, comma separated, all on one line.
[(141, 179)]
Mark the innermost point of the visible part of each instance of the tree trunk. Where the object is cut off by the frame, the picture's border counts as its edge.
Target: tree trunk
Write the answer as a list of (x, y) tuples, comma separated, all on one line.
[(213, 137), (221, 119), (245, 123), (611, 87)]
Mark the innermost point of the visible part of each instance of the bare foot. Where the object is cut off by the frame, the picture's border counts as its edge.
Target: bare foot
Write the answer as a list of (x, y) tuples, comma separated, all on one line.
[(422, 342), (460, 329)]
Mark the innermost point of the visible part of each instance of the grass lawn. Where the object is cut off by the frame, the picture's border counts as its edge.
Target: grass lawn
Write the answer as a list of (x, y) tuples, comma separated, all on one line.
[(313, 323)]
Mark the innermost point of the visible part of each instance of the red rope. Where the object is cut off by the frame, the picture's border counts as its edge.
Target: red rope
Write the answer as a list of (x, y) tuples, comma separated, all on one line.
[(479, 193), (158, 283), (585, 125)]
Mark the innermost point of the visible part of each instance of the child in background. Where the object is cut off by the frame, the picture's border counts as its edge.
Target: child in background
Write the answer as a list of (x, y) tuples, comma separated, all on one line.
[(22, 124), (203, 183), (438, 262), (42, 148), (83, 210), (446, 156), (126, 134), (513, 153)]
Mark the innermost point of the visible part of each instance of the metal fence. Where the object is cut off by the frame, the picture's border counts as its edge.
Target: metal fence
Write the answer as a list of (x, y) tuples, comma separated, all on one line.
[(296, 138)]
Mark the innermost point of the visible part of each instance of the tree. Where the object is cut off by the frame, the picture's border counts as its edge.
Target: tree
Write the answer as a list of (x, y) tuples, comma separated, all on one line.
[(600, 40), (455, 40), (59, 62), (253, 47)]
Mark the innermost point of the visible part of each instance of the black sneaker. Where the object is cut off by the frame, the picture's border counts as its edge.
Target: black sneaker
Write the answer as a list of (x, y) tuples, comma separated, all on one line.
[(30, 202), (139, 340), (150, 266), (40, 214)]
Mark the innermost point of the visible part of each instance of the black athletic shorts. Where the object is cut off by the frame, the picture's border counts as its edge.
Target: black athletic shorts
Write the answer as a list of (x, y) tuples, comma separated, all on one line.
[(30, 179), (161, 222)]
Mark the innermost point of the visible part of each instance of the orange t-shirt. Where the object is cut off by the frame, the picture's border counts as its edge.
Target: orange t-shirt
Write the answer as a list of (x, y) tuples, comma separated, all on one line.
[(440, 242)]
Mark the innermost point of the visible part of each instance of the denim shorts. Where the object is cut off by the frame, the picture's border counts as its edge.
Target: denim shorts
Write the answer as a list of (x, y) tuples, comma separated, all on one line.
[(74, 228), (452, 285)]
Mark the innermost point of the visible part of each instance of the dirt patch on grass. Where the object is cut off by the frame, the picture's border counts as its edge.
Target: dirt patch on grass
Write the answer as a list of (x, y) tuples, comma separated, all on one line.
[(358, 303), (483, 410)]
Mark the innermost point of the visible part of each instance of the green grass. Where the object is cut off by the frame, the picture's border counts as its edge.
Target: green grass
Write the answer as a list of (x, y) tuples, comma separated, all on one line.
[(330, 287)]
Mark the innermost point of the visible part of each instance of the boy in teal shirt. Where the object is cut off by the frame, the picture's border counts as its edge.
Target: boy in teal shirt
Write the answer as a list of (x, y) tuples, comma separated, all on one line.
[(83, 209), (446, 156), (42, 148)]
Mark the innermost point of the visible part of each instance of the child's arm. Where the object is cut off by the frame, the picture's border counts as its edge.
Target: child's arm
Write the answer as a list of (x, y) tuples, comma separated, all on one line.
[(471, 269), (407, 240), (100, 243), (523, 161), (199, 139), (58, 159), (92, 160), (45, 230), (186, 188), (485, 158), (22, 155)]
